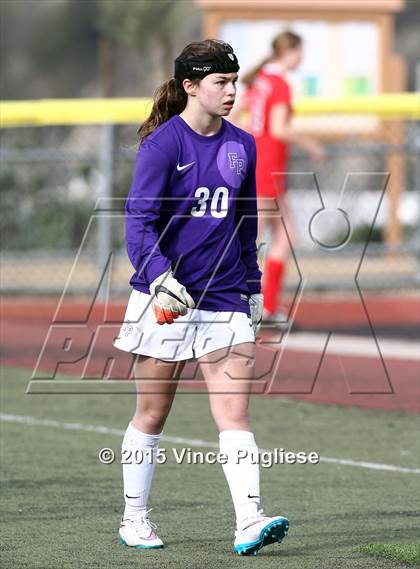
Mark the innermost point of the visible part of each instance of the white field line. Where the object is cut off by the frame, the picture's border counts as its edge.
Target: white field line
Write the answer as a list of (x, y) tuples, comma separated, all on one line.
[(362, 346), (33, 421)]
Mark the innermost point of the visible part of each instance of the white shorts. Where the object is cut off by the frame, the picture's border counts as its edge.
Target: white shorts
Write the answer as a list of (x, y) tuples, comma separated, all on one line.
[(191, 336)]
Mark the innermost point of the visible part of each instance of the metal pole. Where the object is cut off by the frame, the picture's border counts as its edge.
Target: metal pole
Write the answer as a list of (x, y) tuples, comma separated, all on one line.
[(417, 169), (104, 238)]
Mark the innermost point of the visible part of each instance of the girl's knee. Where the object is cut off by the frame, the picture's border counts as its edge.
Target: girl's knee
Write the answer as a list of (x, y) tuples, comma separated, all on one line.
[(230, 416), (152, 418)]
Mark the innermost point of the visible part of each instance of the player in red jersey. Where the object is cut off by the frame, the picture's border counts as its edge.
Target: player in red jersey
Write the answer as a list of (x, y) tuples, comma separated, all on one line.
[(268, 100)]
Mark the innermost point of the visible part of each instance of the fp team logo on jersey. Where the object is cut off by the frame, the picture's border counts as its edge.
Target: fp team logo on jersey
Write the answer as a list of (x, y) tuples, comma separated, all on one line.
[(232, 162), (235, 162)]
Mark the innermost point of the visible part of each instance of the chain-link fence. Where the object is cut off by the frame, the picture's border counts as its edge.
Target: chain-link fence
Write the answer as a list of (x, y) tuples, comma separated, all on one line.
[(60, 229)]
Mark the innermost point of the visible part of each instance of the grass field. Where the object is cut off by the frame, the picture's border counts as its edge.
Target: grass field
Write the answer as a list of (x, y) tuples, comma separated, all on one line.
[(62, 506), (409, 553)]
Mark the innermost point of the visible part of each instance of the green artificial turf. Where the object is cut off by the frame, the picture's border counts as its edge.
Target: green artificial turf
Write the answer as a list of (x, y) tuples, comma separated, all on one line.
[(61, 506), (405, 552)]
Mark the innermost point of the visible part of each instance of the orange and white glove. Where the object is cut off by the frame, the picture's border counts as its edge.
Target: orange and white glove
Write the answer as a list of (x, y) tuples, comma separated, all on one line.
[(170, 298)]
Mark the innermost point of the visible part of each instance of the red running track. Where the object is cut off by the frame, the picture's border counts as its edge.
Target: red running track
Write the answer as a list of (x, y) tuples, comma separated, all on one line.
[(82, 341)]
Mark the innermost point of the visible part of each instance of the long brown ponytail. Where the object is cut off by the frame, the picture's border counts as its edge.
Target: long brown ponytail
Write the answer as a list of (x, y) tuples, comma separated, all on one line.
[(281, 43), (170, 98), (167, 102)]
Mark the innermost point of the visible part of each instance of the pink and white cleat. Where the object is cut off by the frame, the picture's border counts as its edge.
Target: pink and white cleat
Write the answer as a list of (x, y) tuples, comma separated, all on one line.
[(139, 532)]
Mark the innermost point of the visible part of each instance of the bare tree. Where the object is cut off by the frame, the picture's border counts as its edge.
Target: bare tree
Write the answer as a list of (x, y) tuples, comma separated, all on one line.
[(142, 24)]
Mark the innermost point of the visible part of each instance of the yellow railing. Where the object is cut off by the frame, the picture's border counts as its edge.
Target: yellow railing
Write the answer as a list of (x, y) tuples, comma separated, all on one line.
[(48, 112), (398, 105)]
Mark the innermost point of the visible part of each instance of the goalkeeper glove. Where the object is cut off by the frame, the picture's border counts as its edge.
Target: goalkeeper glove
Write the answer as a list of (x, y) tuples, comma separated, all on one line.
[(256, 302), (170, 298)]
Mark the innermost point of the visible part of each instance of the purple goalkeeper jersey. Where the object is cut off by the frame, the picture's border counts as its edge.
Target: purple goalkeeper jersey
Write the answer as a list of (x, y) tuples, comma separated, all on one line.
[(192, 207)]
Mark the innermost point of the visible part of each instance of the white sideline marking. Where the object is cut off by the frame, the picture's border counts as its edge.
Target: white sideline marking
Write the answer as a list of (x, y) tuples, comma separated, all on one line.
[(362, 346), (25, 419)]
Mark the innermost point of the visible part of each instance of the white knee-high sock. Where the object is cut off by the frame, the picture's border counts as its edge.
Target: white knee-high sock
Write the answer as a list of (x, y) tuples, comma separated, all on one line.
[(137, 475), (242, 473)]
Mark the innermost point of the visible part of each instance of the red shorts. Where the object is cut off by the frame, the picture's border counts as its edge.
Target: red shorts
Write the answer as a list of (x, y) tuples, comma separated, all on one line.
[(271, 183), (272, 164)]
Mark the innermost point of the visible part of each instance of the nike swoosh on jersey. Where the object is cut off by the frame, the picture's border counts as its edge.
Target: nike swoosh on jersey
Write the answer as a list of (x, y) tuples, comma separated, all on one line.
[(180, 168)]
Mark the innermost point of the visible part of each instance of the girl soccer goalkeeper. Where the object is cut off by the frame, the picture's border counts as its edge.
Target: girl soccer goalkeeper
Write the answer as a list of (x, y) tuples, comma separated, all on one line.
[(191, 226)]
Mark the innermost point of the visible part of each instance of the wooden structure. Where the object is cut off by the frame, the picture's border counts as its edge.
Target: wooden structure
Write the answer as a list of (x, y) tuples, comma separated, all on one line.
[(389, 71)]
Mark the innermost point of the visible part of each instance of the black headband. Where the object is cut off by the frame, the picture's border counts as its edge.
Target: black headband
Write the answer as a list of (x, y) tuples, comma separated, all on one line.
[(221, 62)]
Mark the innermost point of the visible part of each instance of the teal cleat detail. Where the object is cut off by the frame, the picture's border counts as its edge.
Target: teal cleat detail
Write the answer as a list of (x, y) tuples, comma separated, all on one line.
[(122, 542), (265, 532)]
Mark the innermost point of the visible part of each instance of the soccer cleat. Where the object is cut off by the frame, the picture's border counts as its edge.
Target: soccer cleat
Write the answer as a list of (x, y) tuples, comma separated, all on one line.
[(258, 532), (139, 532)]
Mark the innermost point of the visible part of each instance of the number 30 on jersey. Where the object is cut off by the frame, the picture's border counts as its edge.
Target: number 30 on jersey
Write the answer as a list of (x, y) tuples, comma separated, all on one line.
[(218, 202)]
